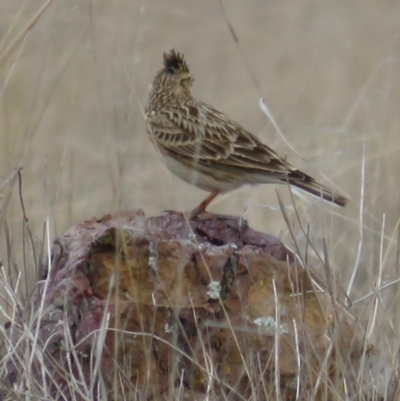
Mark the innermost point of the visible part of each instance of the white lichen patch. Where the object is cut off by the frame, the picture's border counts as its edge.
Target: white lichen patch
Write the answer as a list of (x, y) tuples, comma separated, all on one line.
[(269, 324), (214, 289)]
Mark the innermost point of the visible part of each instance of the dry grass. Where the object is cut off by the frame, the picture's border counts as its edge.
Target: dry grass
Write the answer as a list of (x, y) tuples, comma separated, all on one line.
[(72, 93)]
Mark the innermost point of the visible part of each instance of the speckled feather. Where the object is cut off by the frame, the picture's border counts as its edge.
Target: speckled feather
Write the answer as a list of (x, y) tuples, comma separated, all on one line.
[(206, 148)]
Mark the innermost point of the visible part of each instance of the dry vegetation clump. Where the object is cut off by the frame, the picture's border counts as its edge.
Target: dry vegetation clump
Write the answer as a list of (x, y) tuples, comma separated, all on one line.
[(131, 307)]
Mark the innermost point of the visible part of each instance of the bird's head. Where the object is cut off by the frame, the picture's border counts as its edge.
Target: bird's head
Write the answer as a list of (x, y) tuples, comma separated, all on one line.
[(174, 78)]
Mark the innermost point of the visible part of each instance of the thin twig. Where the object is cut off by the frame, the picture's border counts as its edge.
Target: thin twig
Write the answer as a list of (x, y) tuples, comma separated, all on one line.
[(23, 33)]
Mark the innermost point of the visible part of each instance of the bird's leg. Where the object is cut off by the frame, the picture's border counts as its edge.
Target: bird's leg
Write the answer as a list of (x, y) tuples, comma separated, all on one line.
[(203, 205)]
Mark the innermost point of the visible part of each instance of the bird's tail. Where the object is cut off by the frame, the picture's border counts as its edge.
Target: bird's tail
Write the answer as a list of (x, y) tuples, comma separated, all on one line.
[(320, 191)]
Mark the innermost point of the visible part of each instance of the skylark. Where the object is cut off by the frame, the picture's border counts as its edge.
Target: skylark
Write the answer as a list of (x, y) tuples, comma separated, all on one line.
[(205, 148)]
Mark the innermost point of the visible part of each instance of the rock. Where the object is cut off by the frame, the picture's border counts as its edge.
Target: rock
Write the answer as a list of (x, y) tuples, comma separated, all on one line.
[(156, 307)]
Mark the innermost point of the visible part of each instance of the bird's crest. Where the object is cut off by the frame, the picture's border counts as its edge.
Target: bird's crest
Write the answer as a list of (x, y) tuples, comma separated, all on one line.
[(174, 62)]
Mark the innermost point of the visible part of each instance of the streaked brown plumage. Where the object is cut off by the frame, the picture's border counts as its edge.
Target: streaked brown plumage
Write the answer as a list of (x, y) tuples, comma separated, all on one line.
[(205, 148)]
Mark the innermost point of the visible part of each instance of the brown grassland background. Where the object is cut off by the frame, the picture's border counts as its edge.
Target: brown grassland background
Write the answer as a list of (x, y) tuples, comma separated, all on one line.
[(72, 95)]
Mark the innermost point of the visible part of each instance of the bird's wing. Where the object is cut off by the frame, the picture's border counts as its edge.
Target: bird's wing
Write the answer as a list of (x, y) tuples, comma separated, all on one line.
[(198, 133)]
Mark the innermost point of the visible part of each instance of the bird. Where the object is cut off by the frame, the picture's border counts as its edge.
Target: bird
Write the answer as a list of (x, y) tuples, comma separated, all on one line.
[(205, 148)]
